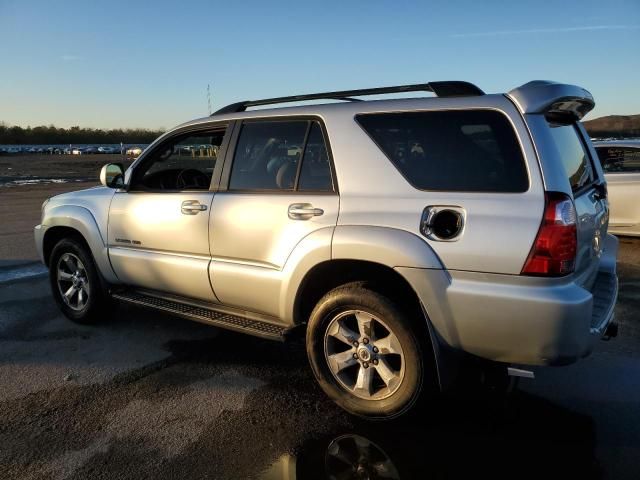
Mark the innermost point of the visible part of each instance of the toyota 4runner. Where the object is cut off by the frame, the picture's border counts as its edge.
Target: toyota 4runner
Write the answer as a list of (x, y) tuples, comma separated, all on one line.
[(394, 231)]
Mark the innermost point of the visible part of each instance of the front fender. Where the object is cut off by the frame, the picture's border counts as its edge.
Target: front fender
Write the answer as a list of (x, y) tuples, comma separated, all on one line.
[(81, 220)]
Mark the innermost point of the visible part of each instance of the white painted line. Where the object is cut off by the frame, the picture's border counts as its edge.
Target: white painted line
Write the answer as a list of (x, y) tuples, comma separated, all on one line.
[(33, 270)]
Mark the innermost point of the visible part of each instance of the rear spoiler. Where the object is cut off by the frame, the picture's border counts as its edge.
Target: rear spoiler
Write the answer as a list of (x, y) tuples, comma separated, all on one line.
[(557, 99)]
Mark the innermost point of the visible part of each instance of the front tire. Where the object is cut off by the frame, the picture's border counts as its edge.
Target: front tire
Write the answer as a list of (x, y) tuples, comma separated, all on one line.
[(367, 354), (75, 282)]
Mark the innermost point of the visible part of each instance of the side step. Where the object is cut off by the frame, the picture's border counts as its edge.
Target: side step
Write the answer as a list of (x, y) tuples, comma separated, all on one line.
[(205, 314)]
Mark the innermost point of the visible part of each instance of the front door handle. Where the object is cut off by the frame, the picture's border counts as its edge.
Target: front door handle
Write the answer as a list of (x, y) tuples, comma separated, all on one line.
[(303, 211), (192, 207)]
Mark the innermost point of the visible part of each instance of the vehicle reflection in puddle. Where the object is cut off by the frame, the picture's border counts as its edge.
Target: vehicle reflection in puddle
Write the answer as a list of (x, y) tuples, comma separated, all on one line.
[(527, 438), (347, 456)]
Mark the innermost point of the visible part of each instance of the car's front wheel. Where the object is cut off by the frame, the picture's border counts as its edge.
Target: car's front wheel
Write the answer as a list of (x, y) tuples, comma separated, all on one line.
[(366, 354), (75, 282)]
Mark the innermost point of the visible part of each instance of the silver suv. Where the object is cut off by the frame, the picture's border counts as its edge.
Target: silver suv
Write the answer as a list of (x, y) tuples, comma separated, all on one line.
[(394, 232)]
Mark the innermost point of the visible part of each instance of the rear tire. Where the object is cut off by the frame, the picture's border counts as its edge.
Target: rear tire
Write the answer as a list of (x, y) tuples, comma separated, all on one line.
[(75, 282), (367, 354)]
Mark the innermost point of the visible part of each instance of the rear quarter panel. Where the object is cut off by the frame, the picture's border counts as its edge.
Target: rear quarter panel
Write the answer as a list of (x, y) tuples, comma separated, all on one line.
[(499, 227)]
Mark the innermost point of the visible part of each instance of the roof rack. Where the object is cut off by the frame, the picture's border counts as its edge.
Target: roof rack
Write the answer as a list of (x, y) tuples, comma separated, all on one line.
[(441, 89)]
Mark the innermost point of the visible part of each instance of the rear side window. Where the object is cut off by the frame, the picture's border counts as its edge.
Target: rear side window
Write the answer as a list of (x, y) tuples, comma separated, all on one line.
[(466, 150), (573, 154), (315, 174), (619, 159), (267, 155), (281, 155)]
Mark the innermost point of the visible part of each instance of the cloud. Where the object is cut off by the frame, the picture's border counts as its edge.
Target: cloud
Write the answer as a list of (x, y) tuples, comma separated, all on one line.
[(586, 28), (70, 58)]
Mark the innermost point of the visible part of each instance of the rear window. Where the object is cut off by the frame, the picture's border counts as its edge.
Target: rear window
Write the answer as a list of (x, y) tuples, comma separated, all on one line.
[(619, 159), (466, 150), (573, 154)]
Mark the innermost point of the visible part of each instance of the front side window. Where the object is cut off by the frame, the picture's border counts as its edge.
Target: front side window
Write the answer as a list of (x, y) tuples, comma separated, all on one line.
[(456, 150), (281, 155), (185, 162), (619, 159)]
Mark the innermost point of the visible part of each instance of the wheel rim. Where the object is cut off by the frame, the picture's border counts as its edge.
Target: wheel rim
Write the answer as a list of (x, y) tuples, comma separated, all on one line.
[(353, 456), (73, 282), (364, 355)]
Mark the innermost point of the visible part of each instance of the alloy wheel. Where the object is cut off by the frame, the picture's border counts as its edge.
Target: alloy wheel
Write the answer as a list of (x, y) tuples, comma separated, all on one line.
[(364, 355), (73, 281)]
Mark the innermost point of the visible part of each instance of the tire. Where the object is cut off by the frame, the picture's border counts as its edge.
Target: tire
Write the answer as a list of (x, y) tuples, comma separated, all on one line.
[(342, 314), (71, 269)]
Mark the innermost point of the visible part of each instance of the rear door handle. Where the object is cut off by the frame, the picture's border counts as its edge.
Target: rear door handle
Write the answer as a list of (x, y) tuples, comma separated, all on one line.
[(192, 207), (303, 211)]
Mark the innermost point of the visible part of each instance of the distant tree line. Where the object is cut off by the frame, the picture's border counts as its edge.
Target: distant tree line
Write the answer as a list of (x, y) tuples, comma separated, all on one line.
[(42, 135)]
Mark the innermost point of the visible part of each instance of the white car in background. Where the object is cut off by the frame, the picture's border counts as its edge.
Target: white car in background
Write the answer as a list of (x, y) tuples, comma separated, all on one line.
[(134, 151), (620, 161)]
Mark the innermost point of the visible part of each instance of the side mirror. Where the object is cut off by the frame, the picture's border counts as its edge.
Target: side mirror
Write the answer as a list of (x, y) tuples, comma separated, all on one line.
[(112, 175)]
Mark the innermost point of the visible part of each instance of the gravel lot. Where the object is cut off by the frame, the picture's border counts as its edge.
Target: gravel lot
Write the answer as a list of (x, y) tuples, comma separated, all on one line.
[(149, 396), (20, 203)]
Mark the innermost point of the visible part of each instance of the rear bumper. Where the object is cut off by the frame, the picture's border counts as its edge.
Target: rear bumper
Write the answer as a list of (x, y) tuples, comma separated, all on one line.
[(517, 319)]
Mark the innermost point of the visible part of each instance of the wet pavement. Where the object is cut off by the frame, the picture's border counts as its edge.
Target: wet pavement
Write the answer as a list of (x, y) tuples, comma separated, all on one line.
[(149, 396)]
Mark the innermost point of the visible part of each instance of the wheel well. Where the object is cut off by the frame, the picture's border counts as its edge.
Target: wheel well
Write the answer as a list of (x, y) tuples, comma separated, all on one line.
[(54, 234), (328, 275)]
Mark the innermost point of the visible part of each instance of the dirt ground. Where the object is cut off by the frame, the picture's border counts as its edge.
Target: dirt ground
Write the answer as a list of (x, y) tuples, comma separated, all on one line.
[(42, 166), (20, 203), (145, 395)]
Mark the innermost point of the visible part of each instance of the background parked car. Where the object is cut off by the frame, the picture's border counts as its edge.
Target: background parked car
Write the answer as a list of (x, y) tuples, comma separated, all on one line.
[(134, 151), (107, 150), (620, 161)]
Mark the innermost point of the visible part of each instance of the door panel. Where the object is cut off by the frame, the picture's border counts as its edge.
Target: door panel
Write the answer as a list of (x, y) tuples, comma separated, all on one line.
[(253, 235), (154, 244), (256, 228)]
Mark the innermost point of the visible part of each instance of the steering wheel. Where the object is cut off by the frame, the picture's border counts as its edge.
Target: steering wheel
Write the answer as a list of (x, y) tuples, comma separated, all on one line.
[(191, 178)]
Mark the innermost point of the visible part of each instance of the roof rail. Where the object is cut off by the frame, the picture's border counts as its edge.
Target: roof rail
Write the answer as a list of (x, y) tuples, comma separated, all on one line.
[(441, 89)]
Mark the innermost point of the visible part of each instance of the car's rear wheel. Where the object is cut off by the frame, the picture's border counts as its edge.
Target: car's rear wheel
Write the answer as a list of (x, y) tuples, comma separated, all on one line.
[(366, 354), (75, 282)]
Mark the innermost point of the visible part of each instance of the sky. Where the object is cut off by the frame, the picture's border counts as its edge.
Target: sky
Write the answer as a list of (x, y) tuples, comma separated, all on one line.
[(127, 64)]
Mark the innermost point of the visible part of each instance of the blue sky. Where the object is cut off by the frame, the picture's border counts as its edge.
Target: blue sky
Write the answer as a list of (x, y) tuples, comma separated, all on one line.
[(147, 64)]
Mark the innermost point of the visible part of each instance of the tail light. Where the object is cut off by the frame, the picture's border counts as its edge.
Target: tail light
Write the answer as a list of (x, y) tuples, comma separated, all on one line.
[(554, 250)]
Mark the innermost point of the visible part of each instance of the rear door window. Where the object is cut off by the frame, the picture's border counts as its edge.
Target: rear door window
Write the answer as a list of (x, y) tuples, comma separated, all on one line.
[(267, 155), (281, 155), (619, 159), (315, 173), (573, 154), (465, 150)]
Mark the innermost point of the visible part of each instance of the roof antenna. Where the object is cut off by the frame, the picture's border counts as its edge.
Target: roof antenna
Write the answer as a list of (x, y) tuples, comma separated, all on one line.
[(209, 98)]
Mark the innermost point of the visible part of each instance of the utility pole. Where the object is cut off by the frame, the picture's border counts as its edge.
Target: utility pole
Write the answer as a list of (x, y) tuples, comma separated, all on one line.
[(209, 97)]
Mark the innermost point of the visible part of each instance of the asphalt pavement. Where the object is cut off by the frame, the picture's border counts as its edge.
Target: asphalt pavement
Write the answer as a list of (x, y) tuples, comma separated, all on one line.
[(145, 395)]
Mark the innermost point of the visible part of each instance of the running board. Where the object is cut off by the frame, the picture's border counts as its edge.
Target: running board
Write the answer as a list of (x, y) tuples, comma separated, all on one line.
[(219, 317)]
